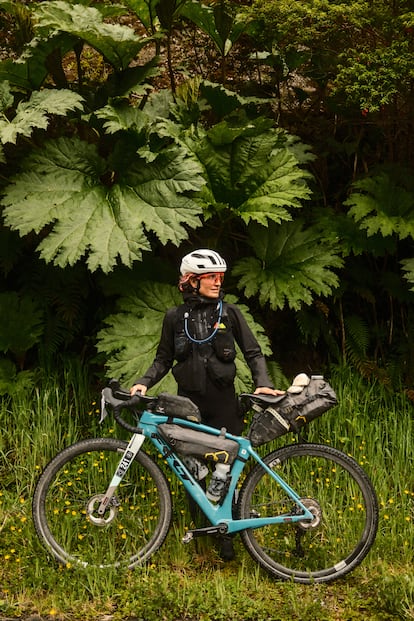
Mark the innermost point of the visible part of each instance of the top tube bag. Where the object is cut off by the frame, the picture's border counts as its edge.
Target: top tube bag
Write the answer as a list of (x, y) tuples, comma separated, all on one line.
[(177, 406)]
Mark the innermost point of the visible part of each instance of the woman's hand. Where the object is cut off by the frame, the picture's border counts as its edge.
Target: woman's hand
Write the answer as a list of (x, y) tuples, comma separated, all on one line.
[(138, 388)]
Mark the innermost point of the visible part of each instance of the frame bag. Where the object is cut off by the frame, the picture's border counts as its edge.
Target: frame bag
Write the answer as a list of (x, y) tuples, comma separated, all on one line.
[(296, 409), (200, 444)]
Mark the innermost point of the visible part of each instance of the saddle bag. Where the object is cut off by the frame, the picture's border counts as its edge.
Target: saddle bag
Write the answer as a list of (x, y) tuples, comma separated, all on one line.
[(301, 404), (177, 407), (198, 443)]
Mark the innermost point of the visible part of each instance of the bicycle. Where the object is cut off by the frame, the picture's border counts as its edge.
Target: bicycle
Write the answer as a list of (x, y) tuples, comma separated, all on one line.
[(305, 512)]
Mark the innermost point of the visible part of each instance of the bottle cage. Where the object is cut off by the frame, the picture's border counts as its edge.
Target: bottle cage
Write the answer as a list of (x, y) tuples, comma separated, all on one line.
[(216, 326)]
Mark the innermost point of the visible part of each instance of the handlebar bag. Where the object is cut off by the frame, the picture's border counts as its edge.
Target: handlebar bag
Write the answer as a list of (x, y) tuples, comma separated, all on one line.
[(198, 443), (292, 412)]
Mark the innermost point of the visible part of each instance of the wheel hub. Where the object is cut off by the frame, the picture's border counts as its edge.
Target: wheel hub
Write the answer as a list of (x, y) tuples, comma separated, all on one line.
[(101, 520), (313, 506)]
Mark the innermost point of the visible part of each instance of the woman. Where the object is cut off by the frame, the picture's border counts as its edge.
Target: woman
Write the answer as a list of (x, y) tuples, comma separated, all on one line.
[(199, 337), (198, 343)]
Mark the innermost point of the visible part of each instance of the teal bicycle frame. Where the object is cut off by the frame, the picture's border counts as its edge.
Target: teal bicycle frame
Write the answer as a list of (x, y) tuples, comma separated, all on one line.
[(219, 515)]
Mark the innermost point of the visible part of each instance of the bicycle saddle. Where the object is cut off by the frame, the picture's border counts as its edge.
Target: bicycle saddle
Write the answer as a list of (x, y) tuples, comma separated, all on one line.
[(262, 398)]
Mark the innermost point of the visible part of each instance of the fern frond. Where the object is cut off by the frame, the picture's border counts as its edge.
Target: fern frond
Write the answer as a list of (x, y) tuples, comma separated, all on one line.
[(21, 323), (357, 334)]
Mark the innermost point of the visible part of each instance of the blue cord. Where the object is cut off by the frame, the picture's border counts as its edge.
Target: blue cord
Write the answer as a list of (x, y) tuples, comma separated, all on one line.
[(212, 335)]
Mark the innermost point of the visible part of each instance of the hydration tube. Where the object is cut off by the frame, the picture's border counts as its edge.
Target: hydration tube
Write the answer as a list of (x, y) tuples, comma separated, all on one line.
[(215, 330)]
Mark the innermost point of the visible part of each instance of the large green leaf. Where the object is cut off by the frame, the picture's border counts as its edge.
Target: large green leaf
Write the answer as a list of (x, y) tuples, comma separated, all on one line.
[(122, 118), (145, 10), (63, 187), (168, 11), (292, 264), (35, 113), (217, 22), (132, 335), (222, 100), (118, 44), (253, 169), (380, 204), (131, 338), (30, 70), (6, 96)]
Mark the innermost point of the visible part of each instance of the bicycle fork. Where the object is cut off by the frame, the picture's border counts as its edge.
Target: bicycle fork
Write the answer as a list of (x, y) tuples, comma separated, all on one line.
[(108, 498)]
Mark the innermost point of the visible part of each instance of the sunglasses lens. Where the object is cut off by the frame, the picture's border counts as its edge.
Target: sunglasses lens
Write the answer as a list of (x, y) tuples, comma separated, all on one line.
[(214, 277)]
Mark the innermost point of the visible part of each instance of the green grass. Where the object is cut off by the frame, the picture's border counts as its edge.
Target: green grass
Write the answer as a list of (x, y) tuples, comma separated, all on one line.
[(191, 582)]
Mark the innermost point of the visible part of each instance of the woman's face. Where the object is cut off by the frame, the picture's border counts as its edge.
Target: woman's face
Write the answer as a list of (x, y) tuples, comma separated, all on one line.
[(210, 284)]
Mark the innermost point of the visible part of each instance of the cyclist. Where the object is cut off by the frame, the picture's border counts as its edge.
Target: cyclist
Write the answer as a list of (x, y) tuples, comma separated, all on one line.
[(198, 343)]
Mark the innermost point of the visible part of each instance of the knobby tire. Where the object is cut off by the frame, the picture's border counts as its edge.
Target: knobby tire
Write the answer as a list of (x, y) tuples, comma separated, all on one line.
[(340, 493), (68, 494)]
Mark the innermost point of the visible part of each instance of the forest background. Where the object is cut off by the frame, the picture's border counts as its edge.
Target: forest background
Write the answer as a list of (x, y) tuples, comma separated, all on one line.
[(278, 133)]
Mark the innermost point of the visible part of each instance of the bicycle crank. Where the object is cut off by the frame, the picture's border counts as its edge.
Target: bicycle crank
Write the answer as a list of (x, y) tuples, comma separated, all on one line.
[(313, 506), (110, 513), (220, 529)]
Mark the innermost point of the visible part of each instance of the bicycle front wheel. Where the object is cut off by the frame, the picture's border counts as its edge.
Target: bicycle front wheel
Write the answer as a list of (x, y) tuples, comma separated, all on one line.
[(70, 490), (337, 492)]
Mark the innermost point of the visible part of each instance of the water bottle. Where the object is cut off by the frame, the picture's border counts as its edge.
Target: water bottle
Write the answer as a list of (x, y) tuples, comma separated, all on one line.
[(218, 482)]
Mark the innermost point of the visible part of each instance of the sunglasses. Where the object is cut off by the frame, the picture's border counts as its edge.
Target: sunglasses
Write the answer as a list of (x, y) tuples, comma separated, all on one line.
[(213, 277)]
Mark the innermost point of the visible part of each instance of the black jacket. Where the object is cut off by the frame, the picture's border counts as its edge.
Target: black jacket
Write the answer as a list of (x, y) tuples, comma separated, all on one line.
[(190, 372)]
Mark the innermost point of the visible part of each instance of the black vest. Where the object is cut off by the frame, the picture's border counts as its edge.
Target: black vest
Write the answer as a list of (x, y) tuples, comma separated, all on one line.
[(202, 347)]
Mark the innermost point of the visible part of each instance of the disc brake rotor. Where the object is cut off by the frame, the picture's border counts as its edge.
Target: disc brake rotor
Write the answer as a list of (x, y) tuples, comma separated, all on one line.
[(313, 506), (110, 513)]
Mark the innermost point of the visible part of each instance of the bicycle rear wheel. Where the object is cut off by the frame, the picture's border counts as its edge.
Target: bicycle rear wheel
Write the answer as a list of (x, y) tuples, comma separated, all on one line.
[(70, 490), (338, 493)]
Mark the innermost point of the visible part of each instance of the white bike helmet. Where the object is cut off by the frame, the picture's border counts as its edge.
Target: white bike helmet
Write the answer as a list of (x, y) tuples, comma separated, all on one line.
[(202, 262)]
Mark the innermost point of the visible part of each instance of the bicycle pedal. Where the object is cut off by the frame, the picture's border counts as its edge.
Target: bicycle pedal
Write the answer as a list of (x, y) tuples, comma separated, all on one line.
[(187, 537)]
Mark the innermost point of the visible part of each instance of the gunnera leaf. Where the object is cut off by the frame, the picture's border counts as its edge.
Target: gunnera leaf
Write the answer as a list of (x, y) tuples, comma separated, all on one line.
[(102, 213), (36, 112), (381, 204), (292, 264), (254, 169), (118, 44)]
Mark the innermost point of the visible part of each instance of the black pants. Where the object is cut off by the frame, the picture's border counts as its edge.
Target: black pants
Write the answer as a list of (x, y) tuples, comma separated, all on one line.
[(218, 407)]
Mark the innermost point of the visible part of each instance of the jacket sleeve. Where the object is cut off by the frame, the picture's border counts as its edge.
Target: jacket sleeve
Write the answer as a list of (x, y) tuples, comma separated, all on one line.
[(164, 356), (250, 348)]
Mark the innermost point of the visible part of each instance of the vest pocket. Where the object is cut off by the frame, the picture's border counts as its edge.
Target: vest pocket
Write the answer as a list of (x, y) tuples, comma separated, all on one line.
[(221, 373), (190, 374), (182, 347), (223, 345)]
